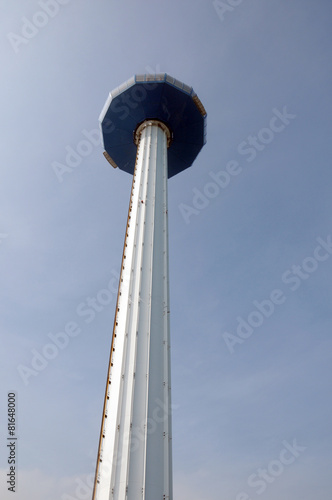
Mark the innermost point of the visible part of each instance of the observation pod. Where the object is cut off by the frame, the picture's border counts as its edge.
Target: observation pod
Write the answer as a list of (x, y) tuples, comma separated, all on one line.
[(153, 127)]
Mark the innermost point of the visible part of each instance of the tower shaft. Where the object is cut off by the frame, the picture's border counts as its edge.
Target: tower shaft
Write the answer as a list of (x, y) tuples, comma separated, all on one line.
[(134, 458)]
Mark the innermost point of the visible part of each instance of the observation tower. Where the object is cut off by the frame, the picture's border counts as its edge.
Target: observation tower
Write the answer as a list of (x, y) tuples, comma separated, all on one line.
[(153, 127)]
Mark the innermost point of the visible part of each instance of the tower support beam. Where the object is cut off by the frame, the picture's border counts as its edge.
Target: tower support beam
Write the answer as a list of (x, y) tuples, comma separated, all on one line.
[(134, 458)]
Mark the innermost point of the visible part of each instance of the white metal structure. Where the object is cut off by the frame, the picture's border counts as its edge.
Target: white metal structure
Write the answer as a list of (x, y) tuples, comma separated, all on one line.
[(134, 459)]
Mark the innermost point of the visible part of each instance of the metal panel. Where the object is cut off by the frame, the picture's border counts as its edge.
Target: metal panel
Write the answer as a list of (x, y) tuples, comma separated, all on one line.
[(187, 89)]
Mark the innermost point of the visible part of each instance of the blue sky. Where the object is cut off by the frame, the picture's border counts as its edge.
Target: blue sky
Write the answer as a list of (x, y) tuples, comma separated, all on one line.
[(236, 402)]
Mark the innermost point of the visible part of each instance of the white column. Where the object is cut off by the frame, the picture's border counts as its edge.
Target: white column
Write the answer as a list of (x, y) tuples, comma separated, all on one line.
[(135, 451)]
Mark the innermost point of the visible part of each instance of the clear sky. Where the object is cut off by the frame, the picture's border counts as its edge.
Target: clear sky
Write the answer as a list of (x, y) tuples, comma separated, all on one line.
[(250, 241)]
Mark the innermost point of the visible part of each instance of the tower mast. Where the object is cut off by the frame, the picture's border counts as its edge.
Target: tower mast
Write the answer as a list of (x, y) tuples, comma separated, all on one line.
[(135, 446)]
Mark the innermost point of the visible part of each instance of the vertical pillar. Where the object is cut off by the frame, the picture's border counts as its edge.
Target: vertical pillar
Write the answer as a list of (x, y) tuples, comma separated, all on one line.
[(134, 458)]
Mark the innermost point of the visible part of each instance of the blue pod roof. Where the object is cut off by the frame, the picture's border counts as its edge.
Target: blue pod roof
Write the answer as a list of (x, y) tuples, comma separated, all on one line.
[(153, 97)]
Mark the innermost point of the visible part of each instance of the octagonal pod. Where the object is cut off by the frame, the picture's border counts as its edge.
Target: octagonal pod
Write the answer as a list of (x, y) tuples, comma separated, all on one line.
[(153, 97)]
